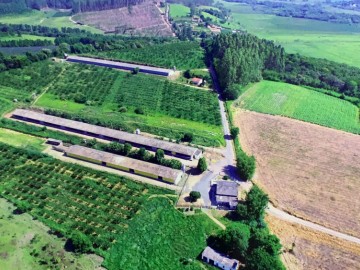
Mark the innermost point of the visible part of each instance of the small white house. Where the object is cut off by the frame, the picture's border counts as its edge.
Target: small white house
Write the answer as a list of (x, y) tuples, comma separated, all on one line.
[(211, 257)]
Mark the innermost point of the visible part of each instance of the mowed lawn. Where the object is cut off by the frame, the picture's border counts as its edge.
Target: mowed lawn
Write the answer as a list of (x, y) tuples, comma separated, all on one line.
[(178, 10), (336, 42), (300, 103), (21, 140)]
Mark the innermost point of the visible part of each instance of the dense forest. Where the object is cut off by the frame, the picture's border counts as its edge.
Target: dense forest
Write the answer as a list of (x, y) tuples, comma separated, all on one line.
[(16, 6), (240, 59), (296, 10)]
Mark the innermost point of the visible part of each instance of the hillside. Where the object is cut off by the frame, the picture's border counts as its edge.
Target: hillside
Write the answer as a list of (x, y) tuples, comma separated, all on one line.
[(144, 19), (300, 103)]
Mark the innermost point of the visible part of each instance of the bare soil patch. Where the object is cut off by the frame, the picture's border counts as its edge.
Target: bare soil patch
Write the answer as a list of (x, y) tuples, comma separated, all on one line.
[(144, 19), (307, 249), (311, 171)]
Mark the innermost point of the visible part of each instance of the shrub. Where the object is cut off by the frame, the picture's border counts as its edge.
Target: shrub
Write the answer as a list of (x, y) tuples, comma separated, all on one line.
[(245, 165), (234, 131), (80, 242), (188, 137), (122, 109), (202, 165), (194, 196), (139, 111)]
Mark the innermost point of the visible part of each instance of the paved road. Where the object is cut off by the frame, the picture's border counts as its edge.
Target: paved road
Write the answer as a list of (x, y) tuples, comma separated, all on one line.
[(227, 165), (287, 217)]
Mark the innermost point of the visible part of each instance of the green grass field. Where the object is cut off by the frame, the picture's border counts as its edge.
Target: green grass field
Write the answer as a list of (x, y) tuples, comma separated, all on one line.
[(24, 36), (21, 140), (178, 11), (26, 245), (160, 237), (300, 103), (44, 18), (336, 42)]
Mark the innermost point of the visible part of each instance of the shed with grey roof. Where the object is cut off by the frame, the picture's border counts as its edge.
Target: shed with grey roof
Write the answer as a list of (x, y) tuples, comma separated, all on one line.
[(227, 194), (178, 150), (130, 165), (212, 257), (120, 65)]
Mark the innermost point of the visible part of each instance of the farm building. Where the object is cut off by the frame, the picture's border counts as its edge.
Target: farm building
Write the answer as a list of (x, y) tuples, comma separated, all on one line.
[(135, 166), (130, 165), (226, 194), (120, 65), (196, 81), (151, 144), (210, 256)]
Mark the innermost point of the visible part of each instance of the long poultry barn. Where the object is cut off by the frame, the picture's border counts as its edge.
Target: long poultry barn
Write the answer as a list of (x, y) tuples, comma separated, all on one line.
[(120, 65), (151, 144), (122, 163)]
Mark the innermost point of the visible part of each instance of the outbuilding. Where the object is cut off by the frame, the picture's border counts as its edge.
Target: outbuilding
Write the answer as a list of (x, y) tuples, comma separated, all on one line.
[(126, 164), (196, 81), (214, 258), (226, 194)]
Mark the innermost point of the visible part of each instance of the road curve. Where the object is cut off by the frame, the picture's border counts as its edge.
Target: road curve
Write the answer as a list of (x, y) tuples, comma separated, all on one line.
[(287, 217), (229, 160)]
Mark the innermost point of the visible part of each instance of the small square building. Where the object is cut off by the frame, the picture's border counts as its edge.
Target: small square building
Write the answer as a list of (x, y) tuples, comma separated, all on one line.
[(226, 194)]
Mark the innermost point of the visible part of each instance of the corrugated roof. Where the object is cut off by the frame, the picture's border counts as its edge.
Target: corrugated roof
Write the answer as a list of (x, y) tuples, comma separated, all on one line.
[(119, 135), (119, 65), (123, 161), (227, 188), (217, 257)]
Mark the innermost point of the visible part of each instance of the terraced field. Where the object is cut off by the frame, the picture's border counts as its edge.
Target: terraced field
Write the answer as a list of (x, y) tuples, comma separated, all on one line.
[(300, 103)]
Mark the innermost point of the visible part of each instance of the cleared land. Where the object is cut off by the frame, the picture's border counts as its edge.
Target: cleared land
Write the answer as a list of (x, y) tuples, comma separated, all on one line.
[(300, 103), (313, 250), (178, 10), (181, 55), (336, 42), (308, 170), (26, 245), (21, 140), (50, 18), (144, 19)]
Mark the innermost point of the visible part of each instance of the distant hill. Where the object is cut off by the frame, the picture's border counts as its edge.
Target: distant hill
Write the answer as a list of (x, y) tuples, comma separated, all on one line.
[(17, 6)]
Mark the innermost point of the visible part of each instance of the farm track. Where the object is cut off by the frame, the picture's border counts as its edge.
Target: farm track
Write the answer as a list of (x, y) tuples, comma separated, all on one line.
[(229, 160)]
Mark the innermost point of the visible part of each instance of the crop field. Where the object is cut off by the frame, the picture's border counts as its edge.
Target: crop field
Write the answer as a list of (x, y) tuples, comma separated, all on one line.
[(332, 41), (49, 18), (313, 250), (300, 103), (68, 197), (144, 19), (21, 140), (21, 83), (5, 105), (170, 109), (161, 238), (27, 245), (307, 170), (182, 55), (179, 10)]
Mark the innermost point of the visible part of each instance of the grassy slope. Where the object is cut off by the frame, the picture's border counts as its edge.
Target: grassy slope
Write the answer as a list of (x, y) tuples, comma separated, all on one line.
[(300, 103), (44, 18), (20, 235), (20, 140), (178, 10), (159, 237), (337, 42), (24, 36)]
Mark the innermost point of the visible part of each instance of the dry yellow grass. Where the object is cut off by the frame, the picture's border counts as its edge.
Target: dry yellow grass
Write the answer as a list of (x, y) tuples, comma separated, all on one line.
[(310, 171), (313, 250)]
